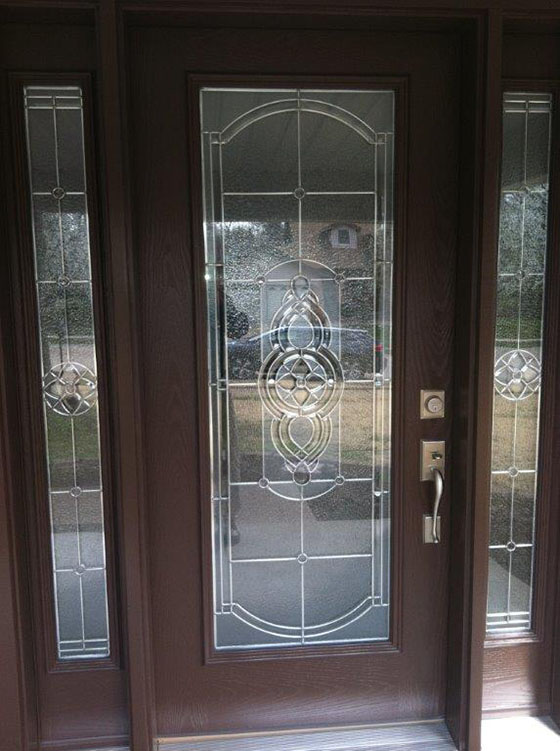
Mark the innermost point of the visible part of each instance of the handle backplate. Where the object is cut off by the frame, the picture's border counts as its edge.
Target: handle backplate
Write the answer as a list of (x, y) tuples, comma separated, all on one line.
[(432, 454), (428, 530)]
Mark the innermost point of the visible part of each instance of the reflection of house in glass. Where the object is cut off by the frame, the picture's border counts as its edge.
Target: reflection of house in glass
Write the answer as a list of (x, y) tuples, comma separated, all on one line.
[(366, 280)]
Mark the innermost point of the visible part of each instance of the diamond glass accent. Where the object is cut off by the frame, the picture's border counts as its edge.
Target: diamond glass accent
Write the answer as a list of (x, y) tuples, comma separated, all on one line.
[(59, 208), (300, 360), (519, 349)]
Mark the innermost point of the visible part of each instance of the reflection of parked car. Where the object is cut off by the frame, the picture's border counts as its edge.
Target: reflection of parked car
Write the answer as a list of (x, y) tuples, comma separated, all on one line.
[(358, 351)]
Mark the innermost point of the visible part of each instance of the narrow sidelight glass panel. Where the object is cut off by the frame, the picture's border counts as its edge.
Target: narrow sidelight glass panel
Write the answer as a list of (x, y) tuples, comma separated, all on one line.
[(59, 206), (298, 196), (518, 360)]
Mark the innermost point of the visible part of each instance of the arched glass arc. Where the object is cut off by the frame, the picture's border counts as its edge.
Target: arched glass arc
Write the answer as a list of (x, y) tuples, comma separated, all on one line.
[(300, 104)]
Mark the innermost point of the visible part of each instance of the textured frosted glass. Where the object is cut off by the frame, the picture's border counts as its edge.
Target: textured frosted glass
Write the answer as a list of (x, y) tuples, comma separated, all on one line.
[(298, 228), (55, 134), (519, 327)]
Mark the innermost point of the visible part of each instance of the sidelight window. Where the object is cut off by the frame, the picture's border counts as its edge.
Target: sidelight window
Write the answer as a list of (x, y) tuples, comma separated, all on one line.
[(65, 309), (518, 359)]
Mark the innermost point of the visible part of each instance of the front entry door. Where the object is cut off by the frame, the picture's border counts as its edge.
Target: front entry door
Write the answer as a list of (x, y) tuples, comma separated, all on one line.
[(295, 201)]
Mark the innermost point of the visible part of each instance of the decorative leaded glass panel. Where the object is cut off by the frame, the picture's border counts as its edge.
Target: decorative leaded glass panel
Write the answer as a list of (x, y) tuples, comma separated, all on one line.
[(298, 195), (518, 361), (59, 206)]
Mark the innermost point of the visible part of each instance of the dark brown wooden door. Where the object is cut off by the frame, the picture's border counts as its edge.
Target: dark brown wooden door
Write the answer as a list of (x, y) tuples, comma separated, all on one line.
[(206, 452)]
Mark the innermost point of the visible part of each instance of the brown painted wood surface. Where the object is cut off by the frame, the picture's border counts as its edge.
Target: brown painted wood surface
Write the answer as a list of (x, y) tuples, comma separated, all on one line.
[(127, 406), (192, 697)]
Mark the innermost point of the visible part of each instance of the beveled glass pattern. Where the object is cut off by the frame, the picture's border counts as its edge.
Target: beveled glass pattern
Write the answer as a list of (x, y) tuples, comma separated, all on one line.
[(59, 207), (518, 358), (298, 200)]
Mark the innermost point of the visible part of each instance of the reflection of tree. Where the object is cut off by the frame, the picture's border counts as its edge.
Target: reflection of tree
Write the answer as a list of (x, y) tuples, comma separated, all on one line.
[(523, 235), (241, 238), (237, 320)]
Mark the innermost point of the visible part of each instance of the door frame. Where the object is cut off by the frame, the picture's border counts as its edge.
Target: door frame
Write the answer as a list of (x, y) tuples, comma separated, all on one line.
[(482, 29)]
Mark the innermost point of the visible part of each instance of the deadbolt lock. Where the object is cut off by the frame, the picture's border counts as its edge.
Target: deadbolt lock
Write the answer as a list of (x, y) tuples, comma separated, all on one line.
[(432, 404)]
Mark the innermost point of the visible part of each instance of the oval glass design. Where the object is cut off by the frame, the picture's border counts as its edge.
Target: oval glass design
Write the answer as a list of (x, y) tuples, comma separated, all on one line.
[(298, 201)]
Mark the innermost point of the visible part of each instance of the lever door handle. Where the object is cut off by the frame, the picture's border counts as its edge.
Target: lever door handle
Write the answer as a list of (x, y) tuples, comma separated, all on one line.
[(438, 492), (432, 469)]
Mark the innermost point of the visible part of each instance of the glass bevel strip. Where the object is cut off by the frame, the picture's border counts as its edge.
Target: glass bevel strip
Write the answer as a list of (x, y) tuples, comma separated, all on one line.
[(63, 281), (518, 359), (299, 273)]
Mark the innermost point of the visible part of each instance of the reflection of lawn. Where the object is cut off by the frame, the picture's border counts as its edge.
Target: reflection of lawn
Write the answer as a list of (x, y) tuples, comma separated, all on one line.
[(60, 437), (515, 433), (514, 446), (356, 407), (507, 327)]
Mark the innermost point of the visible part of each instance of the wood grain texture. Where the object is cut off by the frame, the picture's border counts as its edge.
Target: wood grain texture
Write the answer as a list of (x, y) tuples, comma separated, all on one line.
[(477, 392), (127, 407), (18, 716), (17, 719), (14, 725), (464, 671), (193, 697)]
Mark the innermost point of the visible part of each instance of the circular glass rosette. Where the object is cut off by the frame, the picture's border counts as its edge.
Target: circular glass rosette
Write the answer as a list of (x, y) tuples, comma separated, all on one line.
[(517, 374), (70, 389)]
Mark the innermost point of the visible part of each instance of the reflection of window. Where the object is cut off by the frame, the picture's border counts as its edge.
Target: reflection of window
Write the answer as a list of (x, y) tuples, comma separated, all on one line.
[(344, 237)]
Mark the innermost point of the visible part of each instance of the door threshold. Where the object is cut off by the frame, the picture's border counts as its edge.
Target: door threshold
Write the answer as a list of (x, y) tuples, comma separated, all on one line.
[(430, 735), (520, 733)]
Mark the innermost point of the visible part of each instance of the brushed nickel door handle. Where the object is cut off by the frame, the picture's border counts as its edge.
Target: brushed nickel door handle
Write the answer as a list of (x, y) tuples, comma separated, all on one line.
[(438, 484), (432, 469)]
